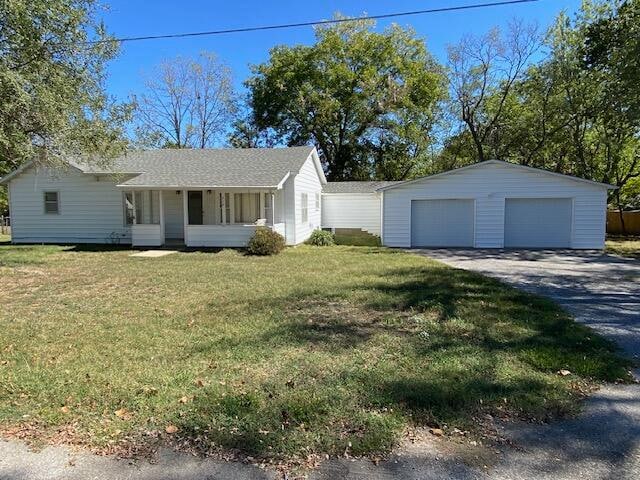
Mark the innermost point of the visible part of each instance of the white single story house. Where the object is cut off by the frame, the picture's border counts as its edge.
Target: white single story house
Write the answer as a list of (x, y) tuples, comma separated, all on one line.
[(218, 197), (199, 198)]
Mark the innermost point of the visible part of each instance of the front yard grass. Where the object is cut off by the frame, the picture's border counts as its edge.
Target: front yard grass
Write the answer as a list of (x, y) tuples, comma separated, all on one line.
[(314, 351), (624, 246)]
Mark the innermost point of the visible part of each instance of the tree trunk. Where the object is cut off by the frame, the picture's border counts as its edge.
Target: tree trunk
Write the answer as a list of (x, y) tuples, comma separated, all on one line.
[(621, 213)]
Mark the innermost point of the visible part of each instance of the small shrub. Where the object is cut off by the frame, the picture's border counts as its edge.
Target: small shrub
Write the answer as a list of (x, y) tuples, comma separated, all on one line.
[(321, 238), (266, 242)]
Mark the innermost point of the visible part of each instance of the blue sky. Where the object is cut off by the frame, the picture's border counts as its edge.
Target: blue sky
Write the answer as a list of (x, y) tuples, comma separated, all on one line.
[(144, 17)]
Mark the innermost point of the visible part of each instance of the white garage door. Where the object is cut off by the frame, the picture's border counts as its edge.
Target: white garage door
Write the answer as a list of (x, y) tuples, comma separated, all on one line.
[(537, 222), (442, 223)]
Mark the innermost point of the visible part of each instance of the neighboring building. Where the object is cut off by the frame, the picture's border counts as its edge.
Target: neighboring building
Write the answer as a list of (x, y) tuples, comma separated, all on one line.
[(217, 198)]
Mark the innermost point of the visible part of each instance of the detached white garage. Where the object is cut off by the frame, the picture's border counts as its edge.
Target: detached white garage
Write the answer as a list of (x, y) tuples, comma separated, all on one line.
[(495, 204)]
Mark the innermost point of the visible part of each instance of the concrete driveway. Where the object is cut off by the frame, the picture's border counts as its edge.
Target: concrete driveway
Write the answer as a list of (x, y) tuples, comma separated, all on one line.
[(602, 443)]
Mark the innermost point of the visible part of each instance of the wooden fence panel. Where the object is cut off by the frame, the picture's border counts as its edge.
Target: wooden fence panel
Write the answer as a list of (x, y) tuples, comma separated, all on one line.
[(631, 223)]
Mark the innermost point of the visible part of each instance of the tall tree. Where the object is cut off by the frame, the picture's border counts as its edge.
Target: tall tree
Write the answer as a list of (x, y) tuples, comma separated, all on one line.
[(576, 110), (52, 97), (367, 100), (246, 134), (188, 103), (483, 72), (612, 46)]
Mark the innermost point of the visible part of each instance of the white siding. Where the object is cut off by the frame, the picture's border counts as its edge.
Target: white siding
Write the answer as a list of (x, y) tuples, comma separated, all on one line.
[(352, 210), (307, 181), (91, 211), (489, 185), (146, 235), (288, 201)]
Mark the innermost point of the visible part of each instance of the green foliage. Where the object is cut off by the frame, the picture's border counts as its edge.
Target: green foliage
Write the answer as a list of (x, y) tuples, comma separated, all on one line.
[(4, 201), (612, 47), (630, 195), (367, 100), (321, 238), (266, 242), (51, 83)]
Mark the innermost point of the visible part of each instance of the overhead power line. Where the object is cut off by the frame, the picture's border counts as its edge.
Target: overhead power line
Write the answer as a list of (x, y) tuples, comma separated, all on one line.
[(314, 23)]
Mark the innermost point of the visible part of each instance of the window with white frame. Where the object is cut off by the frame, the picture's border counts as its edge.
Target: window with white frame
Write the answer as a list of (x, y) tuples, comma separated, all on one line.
[(304, 203), (51, 203), (127, 207), (317, 201), (147, 209)]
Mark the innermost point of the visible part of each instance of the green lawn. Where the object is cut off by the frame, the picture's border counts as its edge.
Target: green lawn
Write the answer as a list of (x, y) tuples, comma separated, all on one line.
[(317, 350), (627, 247)]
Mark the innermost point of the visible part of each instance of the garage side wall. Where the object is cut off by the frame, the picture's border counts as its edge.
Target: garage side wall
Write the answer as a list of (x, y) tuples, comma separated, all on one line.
[(352, 210), (489, 186)]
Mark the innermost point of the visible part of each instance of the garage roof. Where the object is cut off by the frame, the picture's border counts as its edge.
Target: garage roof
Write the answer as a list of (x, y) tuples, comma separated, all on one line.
[(499, 162), (356, 187)]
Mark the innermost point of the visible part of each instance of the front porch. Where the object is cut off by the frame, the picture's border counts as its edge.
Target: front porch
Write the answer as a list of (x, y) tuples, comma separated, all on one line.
[(201, 217)]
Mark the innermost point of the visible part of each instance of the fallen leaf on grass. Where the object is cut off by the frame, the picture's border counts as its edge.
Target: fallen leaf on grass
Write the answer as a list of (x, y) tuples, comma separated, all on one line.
[(64, 409), (564, 372), (121, 413), (438, 432), (171, 429)]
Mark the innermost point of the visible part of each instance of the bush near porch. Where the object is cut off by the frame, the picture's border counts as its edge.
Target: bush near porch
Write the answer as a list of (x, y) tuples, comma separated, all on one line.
[(316, 350)]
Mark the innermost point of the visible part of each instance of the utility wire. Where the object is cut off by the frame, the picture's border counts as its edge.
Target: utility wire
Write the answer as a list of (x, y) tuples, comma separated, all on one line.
[(308, 24)]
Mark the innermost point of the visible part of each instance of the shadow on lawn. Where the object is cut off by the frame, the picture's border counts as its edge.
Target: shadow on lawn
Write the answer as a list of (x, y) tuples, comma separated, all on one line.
[(476, 347)]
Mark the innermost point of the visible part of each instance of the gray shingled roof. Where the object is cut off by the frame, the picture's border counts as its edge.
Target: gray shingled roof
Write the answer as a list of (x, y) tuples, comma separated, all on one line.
[(225, 167), (355, 187)]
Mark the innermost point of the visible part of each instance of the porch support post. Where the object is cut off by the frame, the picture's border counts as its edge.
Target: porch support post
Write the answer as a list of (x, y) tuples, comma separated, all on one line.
[(273, 208), (161, 202), (232, 208), (223, 207), (185, 214), (135, 210), (261, 211)]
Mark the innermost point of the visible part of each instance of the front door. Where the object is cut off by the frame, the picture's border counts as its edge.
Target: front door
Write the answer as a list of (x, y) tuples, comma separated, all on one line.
[(195, 208)]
